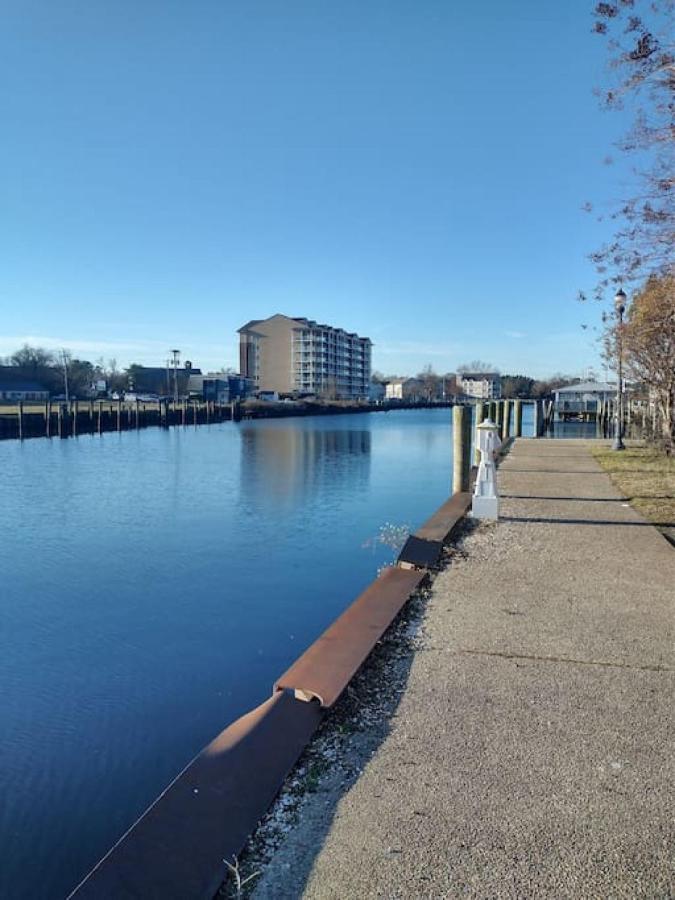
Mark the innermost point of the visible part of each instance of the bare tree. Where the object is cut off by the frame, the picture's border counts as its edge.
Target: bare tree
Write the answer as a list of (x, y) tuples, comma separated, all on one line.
[(648, 338), (32, 358), (430, 383), (476, 365), (640, 38)]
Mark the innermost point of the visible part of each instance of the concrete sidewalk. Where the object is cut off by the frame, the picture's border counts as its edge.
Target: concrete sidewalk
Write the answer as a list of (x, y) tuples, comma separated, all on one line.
[(532, 753)]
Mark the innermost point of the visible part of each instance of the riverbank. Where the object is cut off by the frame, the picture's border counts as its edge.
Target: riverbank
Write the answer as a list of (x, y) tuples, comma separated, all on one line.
[(99, 416), (527, 754)]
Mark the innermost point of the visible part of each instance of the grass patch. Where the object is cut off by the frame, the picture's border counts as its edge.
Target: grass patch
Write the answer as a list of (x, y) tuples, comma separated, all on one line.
[(645, 477)]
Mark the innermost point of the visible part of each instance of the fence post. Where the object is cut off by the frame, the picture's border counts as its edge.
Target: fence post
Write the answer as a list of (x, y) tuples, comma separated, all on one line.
[(461, 456)]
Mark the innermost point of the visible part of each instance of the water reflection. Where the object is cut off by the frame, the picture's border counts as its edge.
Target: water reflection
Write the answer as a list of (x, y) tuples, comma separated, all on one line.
[(573, 430), (282, 463)]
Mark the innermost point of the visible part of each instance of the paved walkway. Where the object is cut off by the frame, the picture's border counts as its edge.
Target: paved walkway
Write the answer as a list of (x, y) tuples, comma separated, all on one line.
[(532, 753)]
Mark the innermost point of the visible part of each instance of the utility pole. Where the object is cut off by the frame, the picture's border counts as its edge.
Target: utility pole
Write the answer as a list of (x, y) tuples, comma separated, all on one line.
[(65, 375), (175, 354)]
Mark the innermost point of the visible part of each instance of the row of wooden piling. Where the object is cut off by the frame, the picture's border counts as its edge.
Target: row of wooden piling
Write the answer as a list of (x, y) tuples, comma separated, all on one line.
[(56, 419), (507, 416)]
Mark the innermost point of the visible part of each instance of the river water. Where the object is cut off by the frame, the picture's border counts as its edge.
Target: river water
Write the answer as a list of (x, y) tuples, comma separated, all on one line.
[(153, 584)]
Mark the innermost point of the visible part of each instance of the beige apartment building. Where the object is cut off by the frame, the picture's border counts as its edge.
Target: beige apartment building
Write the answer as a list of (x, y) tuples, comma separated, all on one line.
[(297, 355), (482, 385)]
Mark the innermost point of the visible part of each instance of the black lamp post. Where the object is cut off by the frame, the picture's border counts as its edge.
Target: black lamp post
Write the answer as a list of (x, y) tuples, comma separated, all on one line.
[(620, 308)]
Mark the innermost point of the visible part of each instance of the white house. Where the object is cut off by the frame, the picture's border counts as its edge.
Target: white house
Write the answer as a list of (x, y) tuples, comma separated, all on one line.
[(408, 389)]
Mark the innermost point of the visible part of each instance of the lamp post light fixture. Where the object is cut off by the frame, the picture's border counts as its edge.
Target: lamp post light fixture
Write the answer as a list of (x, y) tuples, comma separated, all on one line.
[(620, 308)]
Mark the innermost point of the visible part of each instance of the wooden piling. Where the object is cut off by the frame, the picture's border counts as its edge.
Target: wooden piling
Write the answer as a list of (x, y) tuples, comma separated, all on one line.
[(499, 415), (48, 418), (481, 412), (517, 418), (506, 419), (74, 412), (461, 460), (194, 412), (19, 413)]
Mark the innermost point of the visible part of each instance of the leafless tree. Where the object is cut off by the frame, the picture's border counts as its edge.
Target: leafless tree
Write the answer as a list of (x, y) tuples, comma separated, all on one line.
[(640, 37)]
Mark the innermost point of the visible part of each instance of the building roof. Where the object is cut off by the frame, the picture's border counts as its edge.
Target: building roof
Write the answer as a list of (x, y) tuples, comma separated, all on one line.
[(249, 325), (21, 384), (477, 376), (304, 322), (19, 378), (587, 387)]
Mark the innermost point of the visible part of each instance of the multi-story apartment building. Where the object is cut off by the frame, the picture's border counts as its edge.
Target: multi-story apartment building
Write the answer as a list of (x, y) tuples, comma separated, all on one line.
[(483, 385), (299, 356)]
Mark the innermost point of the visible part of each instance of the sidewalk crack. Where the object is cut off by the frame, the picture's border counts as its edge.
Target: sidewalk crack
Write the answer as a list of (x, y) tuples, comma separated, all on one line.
[(563, 659)]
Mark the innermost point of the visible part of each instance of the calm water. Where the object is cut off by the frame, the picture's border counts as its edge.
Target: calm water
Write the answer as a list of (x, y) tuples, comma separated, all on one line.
[(155, 583)]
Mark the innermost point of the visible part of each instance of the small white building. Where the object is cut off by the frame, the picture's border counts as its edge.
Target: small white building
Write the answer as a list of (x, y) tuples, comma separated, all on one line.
[(408, 389), (481, 385)]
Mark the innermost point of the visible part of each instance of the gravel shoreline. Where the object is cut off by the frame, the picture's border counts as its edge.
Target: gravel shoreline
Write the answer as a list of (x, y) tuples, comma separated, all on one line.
[(346, 740)]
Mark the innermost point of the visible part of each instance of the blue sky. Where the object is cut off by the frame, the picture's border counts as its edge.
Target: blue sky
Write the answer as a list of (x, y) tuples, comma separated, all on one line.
[(411, 171)]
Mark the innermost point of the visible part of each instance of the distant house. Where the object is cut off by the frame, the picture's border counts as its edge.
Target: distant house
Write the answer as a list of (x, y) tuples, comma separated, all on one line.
[(482, 385), (409, 390), (15, 385)]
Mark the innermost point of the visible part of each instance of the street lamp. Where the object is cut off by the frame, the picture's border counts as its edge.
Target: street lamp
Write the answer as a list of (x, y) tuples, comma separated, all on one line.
[(175, 357), (620, 308)]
